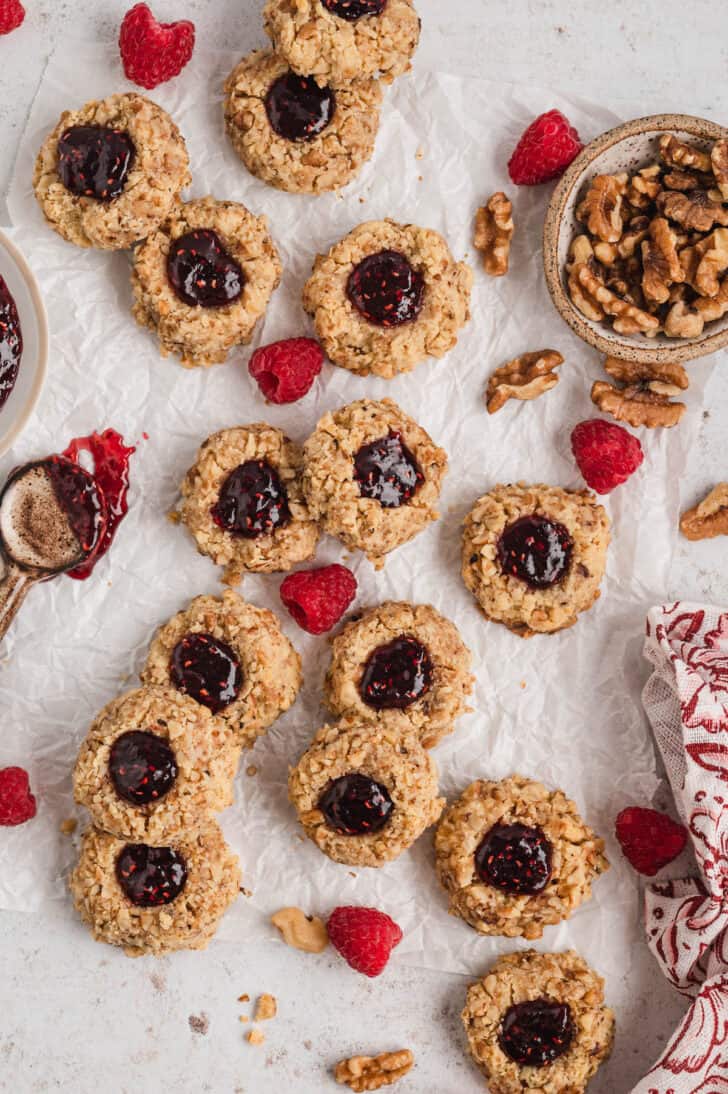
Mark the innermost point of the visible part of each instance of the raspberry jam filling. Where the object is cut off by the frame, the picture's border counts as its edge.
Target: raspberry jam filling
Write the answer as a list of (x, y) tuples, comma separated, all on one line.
[(150, 876), (396, 674), (94, 161), (535, 550), (355, 805), (387, 471), (514, 858), (351, 10), (537, 1032), (297, 108), (81, 500), (11, 343), (207, 669), (202, 272), (385, 289), (142, 766), (252, 501)]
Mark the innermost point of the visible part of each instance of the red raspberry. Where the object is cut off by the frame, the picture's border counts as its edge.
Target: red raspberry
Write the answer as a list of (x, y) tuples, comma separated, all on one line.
[(153, 52), (317, 599), (545, 150), (12, 14), (606, 453), (17, 804), (649, 839), (364, 937), (286, 370)]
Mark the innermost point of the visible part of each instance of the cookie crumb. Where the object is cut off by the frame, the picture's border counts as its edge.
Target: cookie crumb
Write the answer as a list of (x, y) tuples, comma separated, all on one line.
[(420, 153), (173, 517), (246, 892), (255, 1037), (251, 770), (199, 1023), (243, 1018), (522, 684), (266, 1008), (68, 826), (244, 998)]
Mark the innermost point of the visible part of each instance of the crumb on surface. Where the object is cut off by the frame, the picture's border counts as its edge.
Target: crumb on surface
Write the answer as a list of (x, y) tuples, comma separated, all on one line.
[(255, 1037), (266, 1008), (244, 998), (68, 826), (251, 770)]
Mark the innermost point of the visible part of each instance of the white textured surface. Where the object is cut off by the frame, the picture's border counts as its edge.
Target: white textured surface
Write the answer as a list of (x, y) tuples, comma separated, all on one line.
[(79, 1017)]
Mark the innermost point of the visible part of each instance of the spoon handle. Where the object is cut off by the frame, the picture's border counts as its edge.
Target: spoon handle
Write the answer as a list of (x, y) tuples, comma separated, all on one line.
[(14, 585)]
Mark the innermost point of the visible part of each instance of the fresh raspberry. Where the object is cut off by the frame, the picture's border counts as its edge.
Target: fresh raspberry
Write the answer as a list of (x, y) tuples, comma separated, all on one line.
[(317, 599), (12, 14), (17, 804), (286, 370), (154, 52), (649, 839), (364, 937), (606, 453), (545, 150)]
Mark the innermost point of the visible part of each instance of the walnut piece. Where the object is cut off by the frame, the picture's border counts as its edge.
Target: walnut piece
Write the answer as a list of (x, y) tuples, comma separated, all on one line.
[(266, 1007), (644, 187), (303, 932), (611, 303), (601, 209), (693, 210), (709, 518), (525, 377), (682, 321), (637, 230), (372, 1072), (713, 307), (713, 261), (677, 153), (660, 262), (633, 372), (493, 233), (645, 399), (719, 160)]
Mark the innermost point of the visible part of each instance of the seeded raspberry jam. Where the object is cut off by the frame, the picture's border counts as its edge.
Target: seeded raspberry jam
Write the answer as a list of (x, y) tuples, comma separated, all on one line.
[(537, 1032), (535, 550), (515, 859), (94, 161), (297, 108), (202, 272), (11, 343), (110, 458), (396, 674), (351, 10), (142, 766), (150, 876), (355, 805), (385, 289), (81, 499), (252, 501), (206, 668), (387, 471)]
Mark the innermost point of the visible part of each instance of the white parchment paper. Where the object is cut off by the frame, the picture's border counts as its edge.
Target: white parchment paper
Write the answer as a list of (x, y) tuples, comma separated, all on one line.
[(564, 708)]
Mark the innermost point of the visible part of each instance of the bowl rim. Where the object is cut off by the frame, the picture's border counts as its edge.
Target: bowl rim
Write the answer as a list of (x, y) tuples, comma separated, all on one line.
[(628, 349), (22, 418)]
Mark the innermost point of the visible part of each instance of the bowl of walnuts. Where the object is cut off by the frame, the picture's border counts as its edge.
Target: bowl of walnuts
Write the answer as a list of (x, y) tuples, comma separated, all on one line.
[(636, 240)]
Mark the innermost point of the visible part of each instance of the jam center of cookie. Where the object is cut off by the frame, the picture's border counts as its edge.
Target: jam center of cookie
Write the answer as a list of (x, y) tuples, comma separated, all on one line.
[(387, 471), (207, 669), (297, 108), (94, 161), (385, 289), (355, 805), (535, 550), (514, 858), (537, 1032), (142, 766), (11, 343), (252, 501), (150, 876), (351, 10), (202, 272), (396, 674)]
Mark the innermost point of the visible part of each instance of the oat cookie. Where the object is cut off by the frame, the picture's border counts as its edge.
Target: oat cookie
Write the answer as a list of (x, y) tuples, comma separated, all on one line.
[(387, 296), (231, 657), (365, 792), (154, 765), (153, 900), (537, 1022), (514, 857), (109, 173), (534, 556), (294, 134), (338, 41), (401, 657), (242, 501), (203, 279), (372, 476)]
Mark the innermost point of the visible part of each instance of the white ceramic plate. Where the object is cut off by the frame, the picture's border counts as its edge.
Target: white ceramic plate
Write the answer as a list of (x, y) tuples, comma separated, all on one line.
[(19, 278)]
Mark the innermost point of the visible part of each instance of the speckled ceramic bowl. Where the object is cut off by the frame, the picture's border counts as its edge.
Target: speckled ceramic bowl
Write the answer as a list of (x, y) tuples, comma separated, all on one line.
[(626, 148), (24, 289)]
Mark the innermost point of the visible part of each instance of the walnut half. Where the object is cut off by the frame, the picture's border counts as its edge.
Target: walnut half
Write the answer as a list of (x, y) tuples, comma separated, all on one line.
[(525, 377), (371, 1072), (493, 233), (646, 397), (709, 518)]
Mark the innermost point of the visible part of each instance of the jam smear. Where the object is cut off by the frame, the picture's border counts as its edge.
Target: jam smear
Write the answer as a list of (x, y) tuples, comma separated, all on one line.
[(83, 501), (207, 669), (355, 805), (252, 501), (385, 289), (396, 674), (11, 343), (297, 108), (110, 458), (351, 10), (142, 766), (514, 858), (150, 876), (535, 550), (387, 471), (201, 271), (94, 161), (537, 1032)]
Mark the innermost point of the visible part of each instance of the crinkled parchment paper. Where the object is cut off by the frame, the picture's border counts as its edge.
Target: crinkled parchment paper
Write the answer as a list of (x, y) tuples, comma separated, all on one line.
[(564, 709)]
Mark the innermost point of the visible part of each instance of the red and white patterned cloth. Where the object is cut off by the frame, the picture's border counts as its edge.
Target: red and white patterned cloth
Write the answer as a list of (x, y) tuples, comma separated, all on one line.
[(686, 700)]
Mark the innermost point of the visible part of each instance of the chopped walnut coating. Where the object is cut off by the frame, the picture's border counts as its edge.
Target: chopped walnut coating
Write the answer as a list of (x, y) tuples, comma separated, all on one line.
[(709, 518), (525, 377), (645, 399), (493, 233), (601, 209), (677, 153), (362, 1073), (719, 161)]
